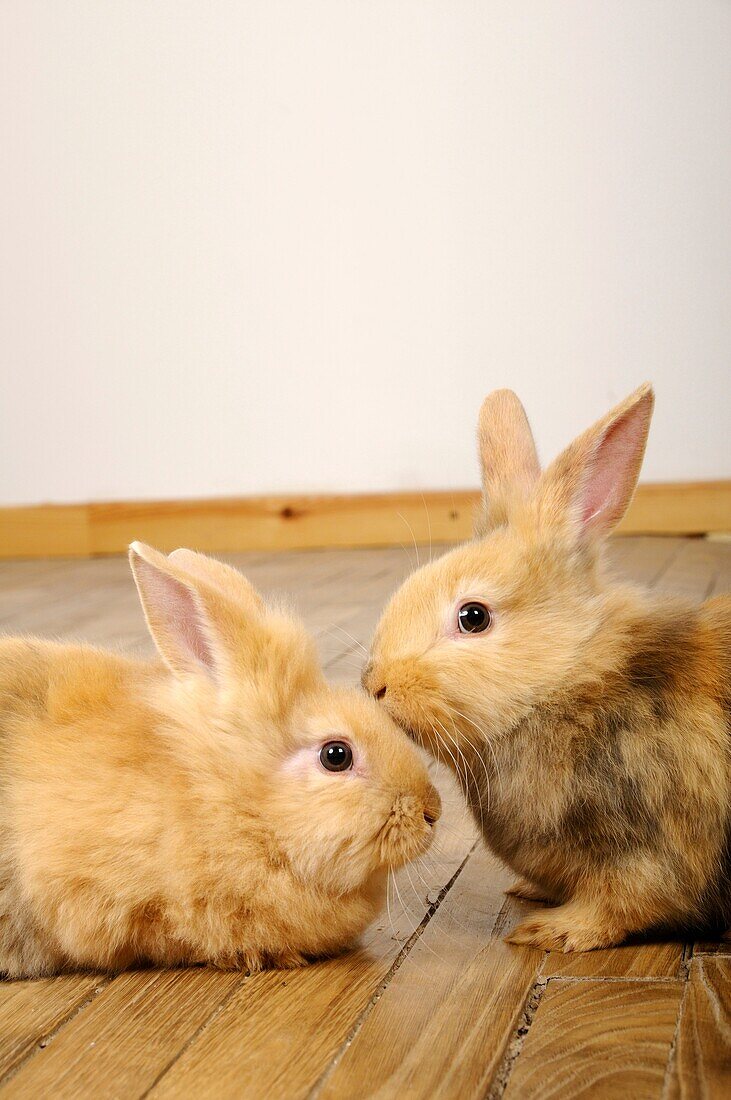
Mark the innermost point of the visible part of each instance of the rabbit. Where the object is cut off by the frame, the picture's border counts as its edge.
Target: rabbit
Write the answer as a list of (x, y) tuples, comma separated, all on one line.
[(223, 806), (586, 720)]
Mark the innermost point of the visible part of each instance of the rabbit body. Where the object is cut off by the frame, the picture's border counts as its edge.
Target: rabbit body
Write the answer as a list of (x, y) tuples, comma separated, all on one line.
[(587, 721), (612, 795), (185, 818)]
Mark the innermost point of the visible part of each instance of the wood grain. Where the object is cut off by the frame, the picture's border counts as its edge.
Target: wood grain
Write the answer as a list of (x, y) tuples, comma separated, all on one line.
[(31, 1011), (702, 1065), (692, 573), (722, 579), (644, 559), (597, 1039), (641, 960), (277, 523), (126, 1037), (441, 1025)]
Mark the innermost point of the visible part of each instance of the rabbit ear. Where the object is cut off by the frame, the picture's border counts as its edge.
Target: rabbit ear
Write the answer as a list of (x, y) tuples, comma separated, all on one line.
[(177, 617), (508, 457), (227, 580), (591, 483)]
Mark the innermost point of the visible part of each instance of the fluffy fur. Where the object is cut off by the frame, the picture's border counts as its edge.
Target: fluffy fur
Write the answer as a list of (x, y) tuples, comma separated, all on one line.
[(589, 726), (178, 812)]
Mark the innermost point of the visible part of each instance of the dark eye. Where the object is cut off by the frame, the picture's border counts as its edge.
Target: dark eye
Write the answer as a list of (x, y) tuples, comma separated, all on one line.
[(473, 618), (336, 756)]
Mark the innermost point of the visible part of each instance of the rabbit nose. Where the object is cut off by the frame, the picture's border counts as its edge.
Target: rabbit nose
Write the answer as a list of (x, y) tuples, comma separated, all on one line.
[(375, 688)]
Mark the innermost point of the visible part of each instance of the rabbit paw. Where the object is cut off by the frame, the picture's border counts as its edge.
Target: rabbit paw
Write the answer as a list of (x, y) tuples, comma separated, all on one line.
[(522, 888), (567, 928)]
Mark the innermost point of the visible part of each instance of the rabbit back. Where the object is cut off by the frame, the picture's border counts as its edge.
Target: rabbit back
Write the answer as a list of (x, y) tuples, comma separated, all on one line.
[(76, 759)]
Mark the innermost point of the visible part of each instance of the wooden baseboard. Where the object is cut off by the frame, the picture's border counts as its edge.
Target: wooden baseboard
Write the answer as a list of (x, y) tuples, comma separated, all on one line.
[(304, 522)]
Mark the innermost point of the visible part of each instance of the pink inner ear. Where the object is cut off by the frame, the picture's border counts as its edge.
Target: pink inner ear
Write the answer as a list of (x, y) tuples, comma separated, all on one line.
[(613, 473), (188, 622), (175, 616)]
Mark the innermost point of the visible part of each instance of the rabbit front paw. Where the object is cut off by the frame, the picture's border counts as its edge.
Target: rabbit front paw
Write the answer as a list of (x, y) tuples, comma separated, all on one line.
[(567, 928)]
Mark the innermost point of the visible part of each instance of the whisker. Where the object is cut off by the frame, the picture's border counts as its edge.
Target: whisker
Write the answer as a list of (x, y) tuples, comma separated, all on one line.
[(349, 635), (486, 739), (443, 931), (407, 553), (406, 909), (428, 522), (413, 536), (467, 766), (440, 741), (480, 757), (460, 756), (421, 938), (445, 746), (417, 864), (415, 892), (388, 902), (355, 661)]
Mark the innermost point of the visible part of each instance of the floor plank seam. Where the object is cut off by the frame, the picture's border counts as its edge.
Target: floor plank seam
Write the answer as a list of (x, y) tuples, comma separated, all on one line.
[(612, 979), (517, 1039), (502, 918), (385, 982), (45, 1040), (670, 1065), (687, 957), (192, 1038)]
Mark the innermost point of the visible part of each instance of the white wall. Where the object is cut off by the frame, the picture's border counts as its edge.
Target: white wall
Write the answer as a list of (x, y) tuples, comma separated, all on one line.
[(256, 246)]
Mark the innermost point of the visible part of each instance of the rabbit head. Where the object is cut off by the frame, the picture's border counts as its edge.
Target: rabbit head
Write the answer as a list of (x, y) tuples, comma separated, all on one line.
[(472, 640), (332, 790)]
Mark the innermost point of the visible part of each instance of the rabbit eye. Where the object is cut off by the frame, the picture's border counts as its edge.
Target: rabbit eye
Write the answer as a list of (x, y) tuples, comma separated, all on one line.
[(336, 756), (473, 618)]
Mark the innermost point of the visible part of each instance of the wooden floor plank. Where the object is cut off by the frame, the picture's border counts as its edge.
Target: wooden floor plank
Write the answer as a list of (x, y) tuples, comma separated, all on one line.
[(642, 559), (643, 960), (712, 947), (441, 1026), (597, 1040), (722, 580), (126, 1037), (692, 573), (702, 1064), (279, 1032), (31, 1011)]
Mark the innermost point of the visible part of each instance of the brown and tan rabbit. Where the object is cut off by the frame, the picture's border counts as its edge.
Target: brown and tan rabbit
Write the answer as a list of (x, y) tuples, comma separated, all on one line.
[(225, 806), (587, 721)]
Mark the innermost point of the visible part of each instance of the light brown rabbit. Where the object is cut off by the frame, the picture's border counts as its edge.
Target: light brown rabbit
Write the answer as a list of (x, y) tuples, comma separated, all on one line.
[(224, 807), (587, 721)]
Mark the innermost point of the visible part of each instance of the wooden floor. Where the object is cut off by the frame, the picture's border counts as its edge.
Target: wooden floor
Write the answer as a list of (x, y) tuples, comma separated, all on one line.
[(435, 1003)]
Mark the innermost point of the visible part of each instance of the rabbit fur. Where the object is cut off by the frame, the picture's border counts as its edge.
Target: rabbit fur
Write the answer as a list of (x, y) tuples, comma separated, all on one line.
[(588, 722), (177, 811)]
